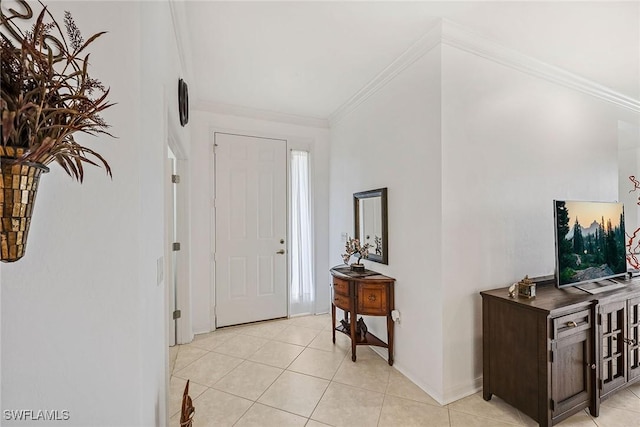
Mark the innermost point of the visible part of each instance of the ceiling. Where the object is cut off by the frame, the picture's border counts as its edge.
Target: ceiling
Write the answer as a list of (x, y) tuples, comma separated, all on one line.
[(307, 59)]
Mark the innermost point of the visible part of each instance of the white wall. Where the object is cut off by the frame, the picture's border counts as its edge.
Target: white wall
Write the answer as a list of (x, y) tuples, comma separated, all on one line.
[(473, 153), (204, 124), (83, 322), (629, 163), (393, 140), (512, 143)]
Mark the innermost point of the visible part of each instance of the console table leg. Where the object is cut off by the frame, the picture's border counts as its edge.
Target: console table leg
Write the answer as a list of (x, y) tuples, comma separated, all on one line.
[(333, 321), (353, 336)]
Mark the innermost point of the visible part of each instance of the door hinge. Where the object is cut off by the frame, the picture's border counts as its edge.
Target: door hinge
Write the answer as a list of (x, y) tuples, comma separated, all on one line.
[(551, 356), (599, 318), (600, 384), (177, 314), (175, 179), (175, 246), (552, 405)]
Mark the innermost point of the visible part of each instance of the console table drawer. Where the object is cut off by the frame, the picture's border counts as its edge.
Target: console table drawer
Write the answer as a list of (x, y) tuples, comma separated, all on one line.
[(341, 301), (341, 286), (571, 324), (372, 299)]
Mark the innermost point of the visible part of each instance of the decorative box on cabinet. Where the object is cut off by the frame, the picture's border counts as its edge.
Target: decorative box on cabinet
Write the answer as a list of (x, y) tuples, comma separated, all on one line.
[(367, 293), (560, 352)]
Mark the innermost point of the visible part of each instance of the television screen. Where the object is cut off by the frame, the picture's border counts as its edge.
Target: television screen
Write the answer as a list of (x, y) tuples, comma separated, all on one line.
[(590, 242)]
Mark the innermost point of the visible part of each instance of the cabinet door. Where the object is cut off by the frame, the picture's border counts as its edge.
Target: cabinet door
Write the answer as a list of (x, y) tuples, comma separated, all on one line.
[(613, 350), (571, 373), (372, 299), (633, 337)]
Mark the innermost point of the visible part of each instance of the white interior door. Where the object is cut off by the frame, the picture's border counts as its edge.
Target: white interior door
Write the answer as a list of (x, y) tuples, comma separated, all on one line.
[(251, 225)]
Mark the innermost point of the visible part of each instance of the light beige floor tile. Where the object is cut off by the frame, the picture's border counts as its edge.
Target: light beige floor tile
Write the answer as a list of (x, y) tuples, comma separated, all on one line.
[(369, 373), (623, 399), (343, 405), (296, 393), (530, 422), (404, 413), (217, 409), (173, 354), (495, 409), (213, 339), (319, 322), (324, 341), (174, 421), (242, 346), (635, 389), (263, 330), (278, 354), (262, 416), (187, 354), (460, 419), (614, 417), (401, 386), (248, 380), (581, 419), (176, 390), (209, 368), (318, 363), (297, 335), (314, 423)]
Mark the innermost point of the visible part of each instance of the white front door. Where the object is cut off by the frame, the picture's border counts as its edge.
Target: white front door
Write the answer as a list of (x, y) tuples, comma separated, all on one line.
[(251, 224)]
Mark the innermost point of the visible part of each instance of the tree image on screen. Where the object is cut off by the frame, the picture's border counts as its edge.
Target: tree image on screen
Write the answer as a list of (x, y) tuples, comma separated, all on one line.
[(589, 247)]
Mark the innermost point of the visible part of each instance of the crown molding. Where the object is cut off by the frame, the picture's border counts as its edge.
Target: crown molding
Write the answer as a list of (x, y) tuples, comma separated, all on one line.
[(255, 113), (462, 38), (451, 34), (417, 50), (181, 36)]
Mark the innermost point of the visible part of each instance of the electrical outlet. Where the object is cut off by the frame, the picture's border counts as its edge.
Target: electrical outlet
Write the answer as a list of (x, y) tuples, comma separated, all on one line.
[(159, 270), (395, 316)]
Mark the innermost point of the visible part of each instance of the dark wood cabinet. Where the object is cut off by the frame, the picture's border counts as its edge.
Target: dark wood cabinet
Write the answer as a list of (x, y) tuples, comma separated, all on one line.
[(368, 293), (561, 352), (572, 364), (619, 350)]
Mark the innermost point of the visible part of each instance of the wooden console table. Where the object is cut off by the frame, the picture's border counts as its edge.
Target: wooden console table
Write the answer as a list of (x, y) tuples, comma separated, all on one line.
[(368, 293), (561, 352)]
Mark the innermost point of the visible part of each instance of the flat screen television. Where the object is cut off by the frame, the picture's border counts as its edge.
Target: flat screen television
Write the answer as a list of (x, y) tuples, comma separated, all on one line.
[(590, 242)]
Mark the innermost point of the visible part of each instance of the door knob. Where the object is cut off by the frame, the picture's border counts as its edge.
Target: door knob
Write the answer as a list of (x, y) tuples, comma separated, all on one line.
[(280, 252)]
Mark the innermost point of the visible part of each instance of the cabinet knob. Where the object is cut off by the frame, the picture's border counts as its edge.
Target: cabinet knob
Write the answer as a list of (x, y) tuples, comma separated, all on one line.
[(571, 324), (593, 366), (372, 297)]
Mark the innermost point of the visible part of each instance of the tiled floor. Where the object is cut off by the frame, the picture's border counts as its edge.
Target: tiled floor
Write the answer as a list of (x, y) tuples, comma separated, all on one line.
[(288, 373)]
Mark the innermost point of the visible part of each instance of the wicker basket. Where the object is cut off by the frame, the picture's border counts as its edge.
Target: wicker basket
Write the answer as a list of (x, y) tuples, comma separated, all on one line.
[(18, 189)]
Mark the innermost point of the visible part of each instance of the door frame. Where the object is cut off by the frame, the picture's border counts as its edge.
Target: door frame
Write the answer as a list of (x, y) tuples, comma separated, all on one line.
[(292, 143), (184, 332)]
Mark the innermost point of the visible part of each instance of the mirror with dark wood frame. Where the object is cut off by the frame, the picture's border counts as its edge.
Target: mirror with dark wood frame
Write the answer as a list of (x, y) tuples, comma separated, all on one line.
[(370, 214)]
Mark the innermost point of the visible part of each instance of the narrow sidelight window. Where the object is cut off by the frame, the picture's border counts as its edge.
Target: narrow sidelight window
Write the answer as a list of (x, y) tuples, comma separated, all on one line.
[(302, 284)]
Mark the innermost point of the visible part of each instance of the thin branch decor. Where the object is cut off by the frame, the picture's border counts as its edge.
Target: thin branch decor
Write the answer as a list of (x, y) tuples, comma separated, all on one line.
[(47, 97)]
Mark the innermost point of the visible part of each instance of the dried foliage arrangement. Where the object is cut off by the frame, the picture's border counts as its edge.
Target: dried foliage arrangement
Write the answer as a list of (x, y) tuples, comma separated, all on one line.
[(353, 247), (188, 410), (47, 93)]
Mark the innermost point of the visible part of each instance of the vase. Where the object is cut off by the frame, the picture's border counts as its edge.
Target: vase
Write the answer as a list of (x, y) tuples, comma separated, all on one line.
[(18, 188), (357, 267)]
